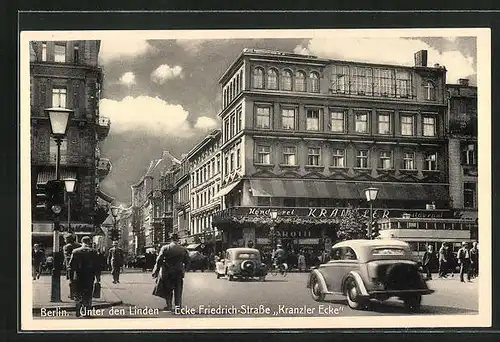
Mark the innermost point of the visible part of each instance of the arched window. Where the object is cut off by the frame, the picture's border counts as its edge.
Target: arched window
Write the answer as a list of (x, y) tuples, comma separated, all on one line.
[(314, 82), (300, 81), (258, 78), (272, 79), (286, 80), (430, 91)]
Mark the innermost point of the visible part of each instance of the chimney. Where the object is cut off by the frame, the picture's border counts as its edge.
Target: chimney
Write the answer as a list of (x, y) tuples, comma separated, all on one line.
[(463, 81), (421, 58)]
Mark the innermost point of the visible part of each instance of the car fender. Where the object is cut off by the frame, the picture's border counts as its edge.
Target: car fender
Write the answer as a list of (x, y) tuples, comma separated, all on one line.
[(321, 279), (360, 285)]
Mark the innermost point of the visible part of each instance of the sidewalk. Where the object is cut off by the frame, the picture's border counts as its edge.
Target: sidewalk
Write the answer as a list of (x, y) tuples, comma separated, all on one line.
[(42, 290)]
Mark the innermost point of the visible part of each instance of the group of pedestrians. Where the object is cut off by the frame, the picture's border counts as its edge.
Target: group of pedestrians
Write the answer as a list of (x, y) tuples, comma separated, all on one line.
[(467, 259)]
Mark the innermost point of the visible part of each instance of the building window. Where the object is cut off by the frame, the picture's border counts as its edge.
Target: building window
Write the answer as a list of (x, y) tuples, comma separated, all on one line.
[(59, 97), (288, 118), (60, 53), (239, 119), (430, 161), (44, 52), (384, 123), (340, 79), (238, 158), (361, 122), (263, 117), (286, 80), (469, 155), (362, 159), (314, 82), (226, 166), (208, 171), (338, 158), (226, 129), (384, 82), (429, 126), (264, 154), (272, 79), (337, 121), (409, 161), (264, 201), (312, 119), (430, 91), (361, 81), (289, 155), (76, 54), (385, 160), (231, 162), (407, 125), (469, 195), (313, 156), (300, 81), (258, 78), (233, 125), (403, 83)]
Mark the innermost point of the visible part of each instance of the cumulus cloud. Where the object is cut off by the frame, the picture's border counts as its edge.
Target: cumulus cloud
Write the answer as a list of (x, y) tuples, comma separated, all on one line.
[(191, 45), (149, 114), (165, 72), (127, 78), (205, 123), (123, 48), (388, 50)]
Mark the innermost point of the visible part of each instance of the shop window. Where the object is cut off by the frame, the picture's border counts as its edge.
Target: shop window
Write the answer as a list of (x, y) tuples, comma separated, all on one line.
[(362, 159), (288, 118), (407, 125), (409, 161), (300, 81), (469, 195), (337, 121), (312, 119), (263, 117), (258, 78), (430, 161), (264, 201), (338, 158), (429, 126), (263, 154), (286, 80), (313, 156), (289, 155), (272, 79), (361, 122), (384, 123)]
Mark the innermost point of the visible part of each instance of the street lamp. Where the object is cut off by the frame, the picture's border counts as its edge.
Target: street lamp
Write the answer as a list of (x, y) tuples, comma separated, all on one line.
[(274, 215), (69, 184), (58, 118), (114, 213), (371, 195)]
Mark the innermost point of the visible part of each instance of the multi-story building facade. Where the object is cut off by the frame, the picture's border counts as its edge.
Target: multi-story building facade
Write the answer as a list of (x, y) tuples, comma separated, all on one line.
[(463, 148), (66, 74), (205, 165), (182, 198), (305, 136)]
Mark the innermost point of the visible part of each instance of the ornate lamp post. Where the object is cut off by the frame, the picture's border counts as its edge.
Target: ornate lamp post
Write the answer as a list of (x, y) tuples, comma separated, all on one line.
[(371, 195), (58, 118), (69, 184)]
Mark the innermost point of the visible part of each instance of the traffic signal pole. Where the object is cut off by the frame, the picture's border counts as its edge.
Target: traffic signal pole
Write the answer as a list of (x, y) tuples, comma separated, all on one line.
[(57, 255)]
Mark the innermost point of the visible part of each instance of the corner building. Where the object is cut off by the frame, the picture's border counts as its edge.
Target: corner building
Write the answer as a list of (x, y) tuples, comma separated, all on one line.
[(306, 136)]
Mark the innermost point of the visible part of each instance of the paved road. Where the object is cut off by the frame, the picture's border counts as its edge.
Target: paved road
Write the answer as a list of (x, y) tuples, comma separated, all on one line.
[(203, 291)]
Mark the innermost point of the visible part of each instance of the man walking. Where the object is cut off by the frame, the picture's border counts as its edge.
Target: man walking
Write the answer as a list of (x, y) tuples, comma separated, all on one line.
[(84, 264), (68, 248), (428, 261), (37, 259), (464, 261), (474, 260), (115, 261), (169, 270), (443, 261)]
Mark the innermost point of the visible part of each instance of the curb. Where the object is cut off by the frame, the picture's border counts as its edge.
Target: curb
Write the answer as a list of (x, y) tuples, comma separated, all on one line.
[(72, 308)]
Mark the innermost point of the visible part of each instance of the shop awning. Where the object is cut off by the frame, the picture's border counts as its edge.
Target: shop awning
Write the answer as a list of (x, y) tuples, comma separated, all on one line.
[(46, 175), (226, 190), (346, 190)]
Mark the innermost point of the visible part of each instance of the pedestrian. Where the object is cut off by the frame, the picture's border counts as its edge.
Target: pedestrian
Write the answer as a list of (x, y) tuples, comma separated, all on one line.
[(474, 260), (443, 261), (169, 270), (452, 261), (49, 263), (115, 261), (85, 265), (37, 259), (428, 261), (463, 258), (68, 248), (301, 260)]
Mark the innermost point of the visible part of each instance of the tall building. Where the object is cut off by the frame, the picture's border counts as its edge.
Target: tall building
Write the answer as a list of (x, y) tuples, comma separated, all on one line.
[(182, 199), (204, 165), (463, 148), (305, 136), (66, 74)]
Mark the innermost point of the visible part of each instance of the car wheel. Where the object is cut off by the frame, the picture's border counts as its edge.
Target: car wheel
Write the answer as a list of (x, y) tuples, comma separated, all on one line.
[(316, 293), (413, 304), (352, 294)]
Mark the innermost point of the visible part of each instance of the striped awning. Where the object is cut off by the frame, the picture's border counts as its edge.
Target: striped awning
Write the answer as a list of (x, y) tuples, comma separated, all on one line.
[(46, 175), (347, 190)]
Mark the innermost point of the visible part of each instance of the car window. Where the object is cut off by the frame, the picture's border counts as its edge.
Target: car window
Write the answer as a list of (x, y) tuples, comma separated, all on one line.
[(335, 255), (347, 253), (388, 251), (247, 256)]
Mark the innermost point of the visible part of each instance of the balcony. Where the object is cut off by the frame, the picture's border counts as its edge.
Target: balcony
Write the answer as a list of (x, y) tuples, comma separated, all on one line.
[(103, 126), (103, 167), (464, 126)]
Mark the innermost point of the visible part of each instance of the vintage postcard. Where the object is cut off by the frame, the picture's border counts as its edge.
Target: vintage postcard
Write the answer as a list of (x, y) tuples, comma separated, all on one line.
[(245, 179)]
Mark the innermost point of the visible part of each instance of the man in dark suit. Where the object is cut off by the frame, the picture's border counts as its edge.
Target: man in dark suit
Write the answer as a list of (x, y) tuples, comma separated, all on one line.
[(443, 261), (463, 257), (85, 265), (115, 261), (170, 265), (428, 261), (68, 248)]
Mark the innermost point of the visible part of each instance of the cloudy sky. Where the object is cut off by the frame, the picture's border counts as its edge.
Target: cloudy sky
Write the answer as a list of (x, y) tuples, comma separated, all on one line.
[(164, 94)]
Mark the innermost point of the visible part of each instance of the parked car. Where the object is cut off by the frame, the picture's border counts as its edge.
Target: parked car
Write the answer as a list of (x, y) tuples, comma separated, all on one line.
[(370, 269), (197, 261), (243, 263)]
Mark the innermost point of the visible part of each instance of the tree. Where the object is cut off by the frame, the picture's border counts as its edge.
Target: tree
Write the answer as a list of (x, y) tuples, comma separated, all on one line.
[(352, 225)]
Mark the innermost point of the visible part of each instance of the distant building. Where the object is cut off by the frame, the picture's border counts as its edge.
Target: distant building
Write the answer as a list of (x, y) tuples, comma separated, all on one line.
[(66, 74)]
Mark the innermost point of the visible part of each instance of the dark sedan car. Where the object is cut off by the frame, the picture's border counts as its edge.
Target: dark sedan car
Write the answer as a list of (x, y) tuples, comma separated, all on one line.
[(197, 261)]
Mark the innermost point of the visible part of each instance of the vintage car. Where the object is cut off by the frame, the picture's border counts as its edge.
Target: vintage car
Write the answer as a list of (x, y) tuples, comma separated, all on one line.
[(243, 263), (197, 261), (370, 269)]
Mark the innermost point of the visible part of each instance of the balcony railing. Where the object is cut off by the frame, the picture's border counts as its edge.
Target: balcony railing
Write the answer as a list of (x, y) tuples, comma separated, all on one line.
[(103, 126)]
